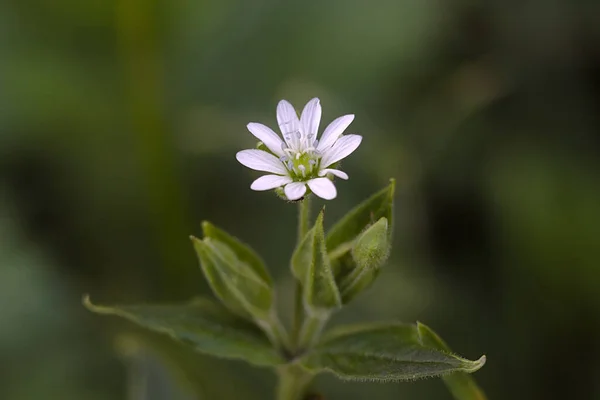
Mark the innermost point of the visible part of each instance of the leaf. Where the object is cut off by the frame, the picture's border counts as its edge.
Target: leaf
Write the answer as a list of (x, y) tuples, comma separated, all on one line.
[(461, 385), (311, 266), (202, 324), (382, 352), (235, 282), (243, 252), (352, 224)]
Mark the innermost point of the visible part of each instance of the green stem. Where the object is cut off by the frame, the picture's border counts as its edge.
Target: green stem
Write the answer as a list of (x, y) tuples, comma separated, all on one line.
[(275, 332), (293, 382), (293, 379), (311, 330), (303, 226)]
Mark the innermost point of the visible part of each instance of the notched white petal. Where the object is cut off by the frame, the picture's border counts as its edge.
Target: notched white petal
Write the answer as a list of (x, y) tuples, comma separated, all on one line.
[(311, 117), (287, 118), (342, 148), (323, 188), (334, 130), (261, 161), (269, 182), (334, 172), (294, 190), (267, 136)]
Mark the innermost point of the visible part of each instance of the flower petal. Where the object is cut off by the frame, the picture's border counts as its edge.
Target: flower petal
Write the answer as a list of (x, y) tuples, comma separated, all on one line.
[(323, 188), (261, 161), (287, 118), (267, 136), (335, 172), (342, 148), (295, 190), (311, 117), (269, 182), (334, 130)]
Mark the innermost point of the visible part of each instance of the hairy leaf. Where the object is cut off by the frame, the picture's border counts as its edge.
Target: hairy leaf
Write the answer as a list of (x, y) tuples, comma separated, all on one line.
[(311, 266), (239, 286), (461, 385), (382, 352), (206, 326), (243, 252), (359, 218)]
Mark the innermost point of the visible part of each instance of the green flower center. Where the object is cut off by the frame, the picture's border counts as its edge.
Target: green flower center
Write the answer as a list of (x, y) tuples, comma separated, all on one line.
[(302, 166)]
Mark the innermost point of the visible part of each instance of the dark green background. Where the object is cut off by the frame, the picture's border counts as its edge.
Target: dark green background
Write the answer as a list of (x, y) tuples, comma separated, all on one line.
[(120, 119)]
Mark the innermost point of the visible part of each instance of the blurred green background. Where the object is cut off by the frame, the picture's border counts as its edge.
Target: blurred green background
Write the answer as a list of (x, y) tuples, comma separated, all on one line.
[(119, 122)]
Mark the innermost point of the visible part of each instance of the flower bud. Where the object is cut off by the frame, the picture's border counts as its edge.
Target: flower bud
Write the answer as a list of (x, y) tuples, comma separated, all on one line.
[(362, 264)]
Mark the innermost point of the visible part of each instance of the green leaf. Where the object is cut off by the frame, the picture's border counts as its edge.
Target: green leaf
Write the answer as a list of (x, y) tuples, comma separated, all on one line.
[(243, 252), (233, 280), (347, 229), (382, 352), (208, 327), (461, 385), (311, 266)]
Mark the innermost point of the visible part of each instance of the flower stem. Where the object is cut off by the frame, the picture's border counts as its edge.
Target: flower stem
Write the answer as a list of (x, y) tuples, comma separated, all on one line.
[(303, 218), (303, 225), (293, 379)]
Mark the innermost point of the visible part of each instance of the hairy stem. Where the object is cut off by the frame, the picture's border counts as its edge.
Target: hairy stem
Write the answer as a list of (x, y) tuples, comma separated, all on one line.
[(293, 382)]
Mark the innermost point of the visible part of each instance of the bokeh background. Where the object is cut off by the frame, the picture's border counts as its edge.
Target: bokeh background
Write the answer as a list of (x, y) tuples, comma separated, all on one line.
[(119, 121)]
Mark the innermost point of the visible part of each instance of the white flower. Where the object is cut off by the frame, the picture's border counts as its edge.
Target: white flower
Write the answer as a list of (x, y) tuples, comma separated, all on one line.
[(301, 159)]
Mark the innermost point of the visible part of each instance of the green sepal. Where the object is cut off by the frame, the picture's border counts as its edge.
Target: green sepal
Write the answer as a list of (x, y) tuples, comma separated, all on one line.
[(237, 283), (369, 252), (203, 324), (382, 352), (311, 266), (460, 384)]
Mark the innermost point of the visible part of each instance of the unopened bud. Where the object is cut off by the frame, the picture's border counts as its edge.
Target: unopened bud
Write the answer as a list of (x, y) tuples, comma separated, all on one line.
[(362, 265)]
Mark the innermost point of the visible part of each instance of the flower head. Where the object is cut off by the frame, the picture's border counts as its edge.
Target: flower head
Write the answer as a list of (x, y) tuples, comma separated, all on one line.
[(301, 159)]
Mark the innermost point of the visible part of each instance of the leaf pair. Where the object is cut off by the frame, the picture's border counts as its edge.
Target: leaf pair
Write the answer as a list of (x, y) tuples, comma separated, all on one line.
[(379, 352)]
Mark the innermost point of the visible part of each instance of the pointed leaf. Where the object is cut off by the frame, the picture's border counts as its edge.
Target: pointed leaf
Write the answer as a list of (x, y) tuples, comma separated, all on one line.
[(352, 224), (243, 252), (208, 327), (311, 266), (382, 352), (461, 385), (234, 282)]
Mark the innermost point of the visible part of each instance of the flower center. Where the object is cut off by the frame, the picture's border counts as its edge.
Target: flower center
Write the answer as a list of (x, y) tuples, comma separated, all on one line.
[(302, 165)]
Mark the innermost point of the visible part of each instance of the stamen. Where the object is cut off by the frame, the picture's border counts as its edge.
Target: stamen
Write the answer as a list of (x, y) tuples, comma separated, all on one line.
[(303, 169)]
